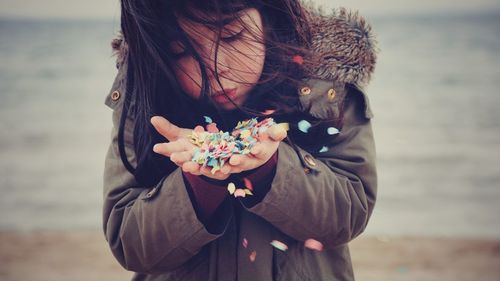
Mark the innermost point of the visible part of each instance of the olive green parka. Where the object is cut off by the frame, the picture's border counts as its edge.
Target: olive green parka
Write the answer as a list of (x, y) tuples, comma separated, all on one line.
[(328, 196)]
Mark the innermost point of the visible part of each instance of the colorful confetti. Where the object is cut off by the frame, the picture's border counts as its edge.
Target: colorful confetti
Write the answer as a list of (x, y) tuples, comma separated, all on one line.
[(245, 243), (313, 245), (332, 131), (253, 256), (215, 147), (304, 125), (279, 245)]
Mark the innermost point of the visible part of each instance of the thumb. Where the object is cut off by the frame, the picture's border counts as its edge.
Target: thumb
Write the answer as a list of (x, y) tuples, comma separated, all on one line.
[(277, 132), (170, 131)]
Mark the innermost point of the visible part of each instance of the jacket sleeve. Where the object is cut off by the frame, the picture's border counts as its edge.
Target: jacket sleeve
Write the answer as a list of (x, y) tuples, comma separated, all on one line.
[(333, 202), (149, 229)]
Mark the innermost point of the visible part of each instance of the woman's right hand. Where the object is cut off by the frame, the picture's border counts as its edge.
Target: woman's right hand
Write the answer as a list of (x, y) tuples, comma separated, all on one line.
[(180, 149)]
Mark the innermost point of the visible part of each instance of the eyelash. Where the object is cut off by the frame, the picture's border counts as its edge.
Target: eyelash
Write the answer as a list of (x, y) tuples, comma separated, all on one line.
[(229, 39)]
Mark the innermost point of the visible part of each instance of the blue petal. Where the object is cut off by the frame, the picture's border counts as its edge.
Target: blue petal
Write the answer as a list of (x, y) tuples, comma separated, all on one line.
[(304, 126), (332, 131), (208, 119)]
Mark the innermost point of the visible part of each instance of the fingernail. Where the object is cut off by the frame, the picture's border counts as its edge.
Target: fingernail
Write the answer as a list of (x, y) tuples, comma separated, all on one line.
[(156, 148)]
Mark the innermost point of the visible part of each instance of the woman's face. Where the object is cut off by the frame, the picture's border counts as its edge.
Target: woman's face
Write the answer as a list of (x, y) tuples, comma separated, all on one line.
[(240, 58)]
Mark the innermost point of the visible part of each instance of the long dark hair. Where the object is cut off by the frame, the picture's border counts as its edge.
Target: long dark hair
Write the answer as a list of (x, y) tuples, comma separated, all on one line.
[(149, 26)]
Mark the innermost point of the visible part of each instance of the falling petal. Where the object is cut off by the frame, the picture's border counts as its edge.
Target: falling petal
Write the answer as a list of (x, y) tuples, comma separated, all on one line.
[(252, 256), (208, 119), (332, 131), (304, 125), (239, 193), (298, 59), (279, 245), (323, 149), (248, 192), (248, 183), (313, 245), (231, 188), (245, 243)]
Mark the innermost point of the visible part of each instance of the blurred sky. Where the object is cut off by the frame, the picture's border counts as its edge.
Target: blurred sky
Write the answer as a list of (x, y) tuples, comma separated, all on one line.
[(109, 9)]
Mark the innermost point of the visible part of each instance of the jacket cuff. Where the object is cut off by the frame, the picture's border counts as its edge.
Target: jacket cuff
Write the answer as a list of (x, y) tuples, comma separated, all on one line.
[(205, 196)]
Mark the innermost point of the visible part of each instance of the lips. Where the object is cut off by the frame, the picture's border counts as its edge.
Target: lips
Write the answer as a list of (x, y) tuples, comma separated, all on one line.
[(219, 96)]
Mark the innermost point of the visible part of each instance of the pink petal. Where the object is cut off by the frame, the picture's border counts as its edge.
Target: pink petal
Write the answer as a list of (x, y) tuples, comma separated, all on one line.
[(298, 59), (253, 255), (239, 193), (313, 245), (248, 183), (245, 243)]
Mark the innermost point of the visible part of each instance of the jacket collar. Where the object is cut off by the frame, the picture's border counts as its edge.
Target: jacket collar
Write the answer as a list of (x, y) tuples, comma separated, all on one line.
[(343, 46)]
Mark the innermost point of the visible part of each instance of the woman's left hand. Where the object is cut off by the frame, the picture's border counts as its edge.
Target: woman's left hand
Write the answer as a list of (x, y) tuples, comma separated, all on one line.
[(261, 152)]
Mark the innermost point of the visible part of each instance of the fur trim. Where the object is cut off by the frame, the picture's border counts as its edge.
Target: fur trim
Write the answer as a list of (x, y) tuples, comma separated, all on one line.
[(343, 46)]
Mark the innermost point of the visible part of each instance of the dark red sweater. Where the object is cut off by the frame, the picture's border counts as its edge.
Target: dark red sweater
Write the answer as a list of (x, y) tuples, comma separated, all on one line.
[(208, 194)]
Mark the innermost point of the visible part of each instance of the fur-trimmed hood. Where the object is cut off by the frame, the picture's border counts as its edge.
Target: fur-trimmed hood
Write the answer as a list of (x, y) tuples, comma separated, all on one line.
[(343, 45)]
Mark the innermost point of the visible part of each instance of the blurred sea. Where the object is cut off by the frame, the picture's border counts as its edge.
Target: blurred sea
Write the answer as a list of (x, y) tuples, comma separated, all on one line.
[(434, 94)]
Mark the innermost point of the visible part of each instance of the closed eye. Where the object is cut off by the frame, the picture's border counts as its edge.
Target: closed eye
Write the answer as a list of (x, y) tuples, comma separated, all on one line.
[(233, 37), (227, 39)]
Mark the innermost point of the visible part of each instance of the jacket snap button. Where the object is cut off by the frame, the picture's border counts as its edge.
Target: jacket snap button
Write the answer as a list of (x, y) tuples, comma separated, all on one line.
[(309, 160), (305, 91), (115, 95), (331, 94)]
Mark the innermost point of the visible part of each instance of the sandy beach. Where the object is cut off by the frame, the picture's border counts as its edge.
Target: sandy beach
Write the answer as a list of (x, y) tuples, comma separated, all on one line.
[(74, 256)]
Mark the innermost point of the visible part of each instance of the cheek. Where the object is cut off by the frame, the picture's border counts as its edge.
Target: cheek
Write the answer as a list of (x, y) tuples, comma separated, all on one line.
[(189, 77), (251, 60)]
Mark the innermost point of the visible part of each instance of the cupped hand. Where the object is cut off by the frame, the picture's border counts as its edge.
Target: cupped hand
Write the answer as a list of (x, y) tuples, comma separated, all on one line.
[(180, 149), (261, 152)]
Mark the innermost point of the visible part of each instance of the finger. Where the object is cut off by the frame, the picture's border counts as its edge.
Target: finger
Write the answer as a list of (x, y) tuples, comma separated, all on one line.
[(167, 148), (191, 167), (170, 131), (277, 132), (226, 169), (236, 159), (257, 149), (180, 157)]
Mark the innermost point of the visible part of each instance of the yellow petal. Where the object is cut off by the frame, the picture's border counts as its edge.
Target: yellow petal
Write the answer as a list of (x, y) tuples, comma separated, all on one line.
[(231, 188)]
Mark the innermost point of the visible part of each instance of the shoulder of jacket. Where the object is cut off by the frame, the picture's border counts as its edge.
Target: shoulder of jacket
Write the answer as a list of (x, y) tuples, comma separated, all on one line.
[(343, 46)]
